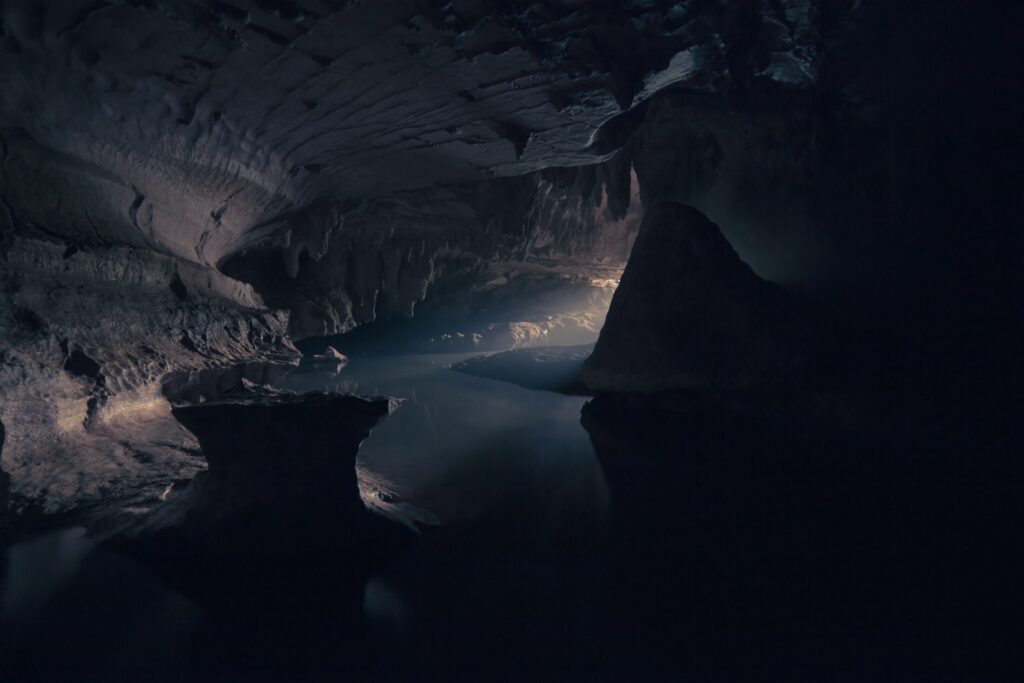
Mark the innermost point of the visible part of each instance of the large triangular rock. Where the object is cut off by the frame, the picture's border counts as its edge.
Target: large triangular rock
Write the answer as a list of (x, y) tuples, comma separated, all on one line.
[(689, 314)]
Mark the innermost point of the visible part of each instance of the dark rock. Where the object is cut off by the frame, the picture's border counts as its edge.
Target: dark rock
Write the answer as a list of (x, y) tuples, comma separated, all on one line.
[(460, 99), (178, 287), (273, 541), (80, 365), (94, 348), (281, 479), (5, 480), (689, 314), (827, 512), (388, 497)]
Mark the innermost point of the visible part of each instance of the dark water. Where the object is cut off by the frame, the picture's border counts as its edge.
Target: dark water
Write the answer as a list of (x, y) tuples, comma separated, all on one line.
[(511, 477), (471, 460), (872, 538), (463, 448)]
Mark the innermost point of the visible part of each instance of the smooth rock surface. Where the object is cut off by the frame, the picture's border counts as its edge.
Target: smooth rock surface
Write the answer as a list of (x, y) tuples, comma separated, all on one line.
[(689, 314), (96, 340)]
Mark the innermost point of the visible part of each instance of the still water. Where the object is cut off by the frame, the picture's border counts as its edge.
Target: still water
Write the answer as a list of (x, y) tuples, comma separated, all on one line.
[(501, 481), (462, 448), (798, 538)]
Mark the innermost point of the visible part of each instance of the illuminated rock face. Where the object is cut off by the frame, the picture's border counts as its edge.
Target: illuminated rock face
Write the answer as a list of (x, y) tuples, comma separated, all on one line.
[(279, 138), (689, 314), (412, 251), (92, 339), (199, 131)]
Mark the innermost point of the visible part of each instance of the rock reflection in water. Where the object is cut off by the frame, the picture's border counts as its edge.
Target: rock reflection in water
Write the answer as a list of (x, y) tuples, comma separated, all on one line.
[(473, 462), (463, 448)]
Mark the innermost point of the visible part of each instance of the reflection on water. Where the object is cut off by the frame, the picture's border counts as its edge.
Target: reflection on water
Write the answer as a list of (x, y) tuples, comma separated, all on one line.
[(39, 568), (502, 481), (70, 611), (801, 538), (464, 448)]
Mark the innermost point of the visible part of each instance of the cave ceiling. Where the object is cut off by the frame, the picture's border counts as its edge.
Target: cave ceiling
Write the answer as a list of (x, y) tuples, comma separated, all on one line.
[(200, 129)]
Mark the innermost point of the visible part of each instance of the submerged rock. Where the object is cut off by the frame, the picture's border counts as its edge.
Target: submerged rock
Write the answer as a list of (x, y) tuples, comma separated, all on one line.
[(690, 314), (96, 344), (331, 359)]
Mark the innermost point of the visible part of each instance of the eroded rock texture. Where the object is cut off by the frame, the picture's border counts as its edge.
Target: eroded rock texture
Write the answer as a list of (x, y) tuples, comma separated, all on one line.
[(90, 339), (410, 253), (690, 314), (214, 130), (174, 174), (258, 111)]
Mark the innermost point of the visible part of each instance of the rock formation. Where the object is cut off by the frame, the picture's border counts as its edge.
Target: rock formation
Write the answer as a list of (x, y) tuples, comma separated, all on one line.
[(281, 478), (689, 314), (93, 340), (330, 157), (187, 187)]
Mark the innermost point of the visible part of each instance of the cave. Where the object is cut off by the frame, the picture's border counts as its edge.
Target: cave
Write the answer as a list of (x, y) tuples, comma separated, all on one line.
[(480, 340)]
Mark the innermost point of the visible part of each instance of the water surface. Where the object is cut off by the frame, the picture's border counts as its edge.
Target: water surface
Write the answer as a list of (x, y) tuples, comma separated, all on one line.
[(502, 481), (464, 448)]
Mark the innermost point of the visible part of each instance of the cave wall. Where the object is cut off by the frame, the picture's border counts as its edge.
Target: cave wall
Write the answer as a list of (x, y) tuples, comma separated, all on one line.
[(198, 129), (420, 250), (90, 339), (184, 185), (877, 182), (143, 146), (208, 131)]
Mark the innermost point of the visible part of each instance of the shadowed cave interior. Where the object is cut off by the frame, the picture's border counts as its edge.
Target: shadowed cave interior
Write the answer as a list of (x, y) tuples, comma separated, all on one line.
[(479, 340)]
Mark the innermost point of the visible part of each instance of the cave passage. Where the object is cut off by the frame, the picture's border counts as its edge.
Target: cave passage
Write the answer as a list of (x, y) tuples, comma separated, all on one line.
[(464, 340)]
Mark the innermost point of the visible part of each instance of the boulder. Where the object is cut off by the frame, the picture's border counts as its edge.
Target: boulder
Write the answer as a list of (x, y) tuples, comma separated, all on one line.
[(281, 477), (690, 314)]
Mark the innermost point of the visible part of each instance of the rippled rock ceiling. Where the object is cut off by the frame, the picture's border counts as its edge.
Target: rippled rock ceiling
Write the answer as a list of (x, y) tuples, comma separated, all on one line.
[(188, 186)]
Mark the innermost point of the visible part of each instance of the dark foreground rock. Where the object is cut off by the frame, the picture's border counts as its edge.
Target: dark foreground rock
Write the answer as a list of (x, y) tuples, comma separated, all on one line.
[(786, 538), (549, 368), (281, 480), (689, 313)]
